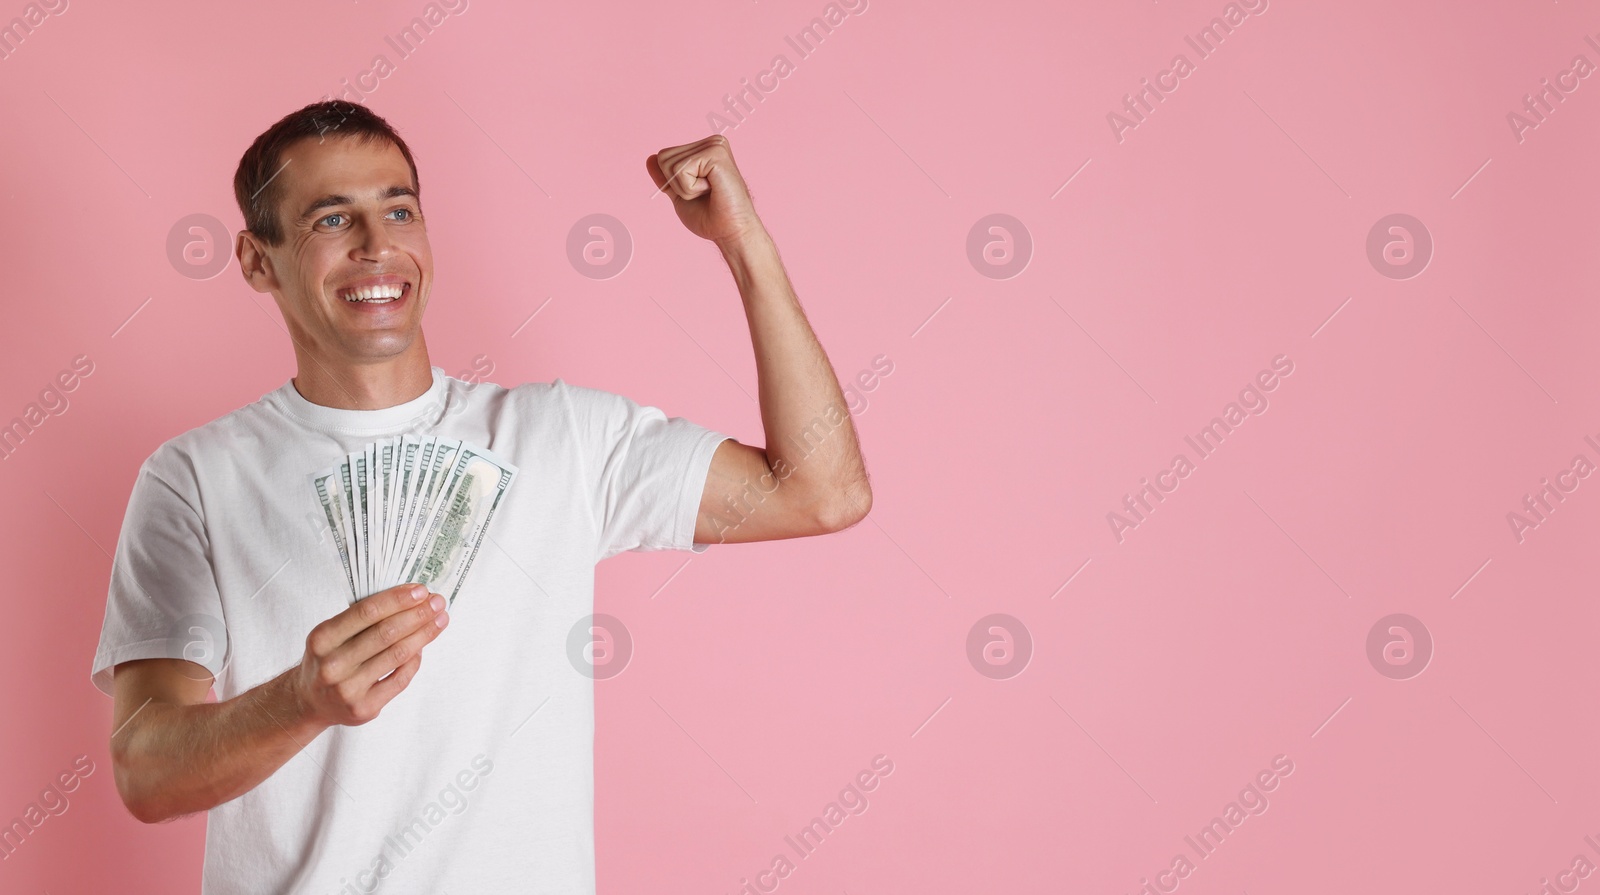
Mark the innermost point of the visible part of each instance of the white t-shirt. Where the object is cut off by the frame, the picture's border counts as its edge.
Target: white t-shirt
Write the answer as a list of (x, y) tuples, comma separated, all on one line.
[(225, 559)]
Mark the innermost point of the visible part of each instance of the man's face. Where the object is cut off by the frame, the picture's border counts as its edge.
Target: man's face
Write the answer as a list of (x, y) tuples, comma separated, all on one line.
[(351, 220)]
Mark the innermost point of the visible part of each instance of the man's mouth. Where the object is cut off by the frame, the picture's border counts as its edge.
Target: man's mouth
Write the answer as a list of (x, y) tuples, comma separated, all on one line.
[(376, 294)]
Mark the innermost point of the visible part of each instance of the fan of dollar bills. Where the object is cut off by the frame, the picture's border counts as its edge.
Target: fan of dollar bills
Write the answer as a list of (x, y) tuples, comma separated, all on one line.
[(411, 510)]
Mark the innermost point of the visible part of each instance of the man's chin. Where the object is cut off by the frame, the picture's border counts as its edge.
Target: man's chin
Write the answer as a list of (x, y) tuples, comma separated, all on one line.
[(377, 348)]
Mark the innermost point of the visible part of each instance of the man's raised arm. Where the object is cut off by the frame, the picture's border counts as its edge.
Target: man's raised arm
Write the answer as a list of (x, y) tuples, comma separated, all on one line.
[(810, 478)]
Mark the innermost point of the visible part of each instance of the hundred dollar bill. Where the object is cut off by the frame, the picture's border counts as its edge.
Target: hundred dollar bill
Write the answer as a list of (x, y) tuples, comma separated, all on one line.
[(430, 487), (385, 483), (364, 468), (328, 495), (421, 457), (347, 493), (358, 475), (478, 482), (405, 468), (411, 508)]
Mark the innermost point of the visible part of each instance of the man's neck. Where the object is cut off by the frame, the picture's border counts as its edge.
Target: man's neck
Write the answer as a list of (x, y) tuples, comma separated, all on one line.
[(373, 386)]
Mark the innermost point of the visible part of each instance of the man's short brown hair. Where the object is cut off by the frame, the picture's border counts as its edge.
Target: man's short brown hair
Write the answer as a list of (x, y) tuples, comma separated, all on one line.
[(255, 184)]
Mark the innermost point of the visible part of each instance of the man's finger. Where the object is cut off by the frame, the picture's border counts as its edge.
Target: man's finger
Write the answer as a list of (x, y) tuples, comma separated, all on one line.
[(673, 167), (687, 181), (653, 166), (358, 650), (400, 652), (682, 167), (370, 611), (389, 687)]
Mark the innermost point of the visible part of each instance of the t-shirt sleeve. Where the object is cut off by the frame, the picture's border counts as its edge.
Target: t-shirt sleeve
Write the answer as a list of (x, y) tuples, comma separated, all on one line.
[(647, 471), (163, 601)]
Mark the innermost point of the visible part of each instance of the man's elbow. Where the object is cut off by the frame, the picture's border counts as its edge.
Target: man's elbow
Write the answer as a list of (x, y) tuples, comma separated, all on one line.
[(148, 808), (140, 799), (849, 508), (144, 813), (143, 809)]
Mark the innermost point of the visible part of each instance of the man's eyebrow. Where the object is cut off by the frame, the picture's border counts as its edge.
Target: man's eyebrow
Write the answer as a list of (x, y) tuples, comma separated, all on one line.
[(335, 199)]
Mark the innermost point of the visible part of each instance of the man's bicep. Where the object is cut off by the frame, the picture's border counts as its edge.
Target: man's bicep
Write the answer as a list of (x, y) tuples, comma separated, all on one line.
[(745, 500), (175, 681), (137, 683)]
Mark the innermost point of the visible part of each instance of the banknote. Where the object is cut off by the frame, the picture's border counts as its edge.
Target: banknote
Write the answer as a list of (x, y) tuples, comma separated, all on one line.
[(457, 531), (333, 510), (411, 509)]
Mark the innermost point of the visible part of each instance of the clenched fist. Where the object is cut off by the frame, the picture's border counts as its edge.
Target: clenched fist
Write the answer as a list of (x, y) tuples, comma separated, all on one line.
[(706, 189)]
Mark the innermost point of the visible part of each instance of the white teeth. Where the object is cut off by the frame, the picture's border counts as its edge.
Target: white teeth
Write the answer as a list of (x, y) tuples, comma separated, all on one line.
[(375, 294)]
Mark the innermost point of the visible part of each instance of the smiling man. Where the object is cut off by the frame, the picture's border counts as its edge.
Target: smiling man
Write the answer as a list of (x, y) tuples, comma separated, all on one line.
[(331, 760)]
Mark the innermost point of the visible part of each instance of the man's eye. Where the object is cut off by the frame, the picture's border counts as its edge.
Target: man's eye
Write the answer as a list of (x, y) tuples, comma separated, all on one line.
[(404, 211), (332, 216)]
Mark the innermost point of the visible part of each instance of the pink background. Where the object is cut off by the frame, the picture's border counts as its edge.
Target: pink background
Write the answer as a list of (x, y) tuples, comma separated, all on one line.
[(1226, 230)]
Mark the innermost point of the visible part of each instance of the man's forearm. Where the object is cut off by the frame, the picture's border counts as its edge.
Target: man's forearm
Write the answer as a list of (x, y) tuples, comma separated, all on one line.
[(811, 438), (170, 760)]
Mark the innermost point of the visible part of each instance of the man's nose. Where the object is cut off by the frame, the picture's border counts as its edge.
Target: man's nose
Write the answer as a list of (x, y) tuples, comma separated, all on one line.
[(376, 243)]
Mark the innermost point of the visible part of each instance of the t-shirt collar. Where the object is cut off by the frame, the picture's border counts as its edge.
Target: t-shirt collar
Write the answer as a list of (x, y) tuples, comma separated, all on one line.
[(288, 399)]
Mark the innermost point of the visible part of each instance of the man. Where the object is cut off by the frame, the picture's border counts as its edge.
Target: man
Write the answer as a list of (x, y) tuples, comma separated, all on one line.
[(331, 761)]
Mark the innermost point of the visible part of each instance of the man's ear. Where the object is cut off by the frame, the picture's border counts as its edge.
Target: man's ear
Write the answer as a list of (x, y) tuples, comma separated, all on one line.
[(254, 264)]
